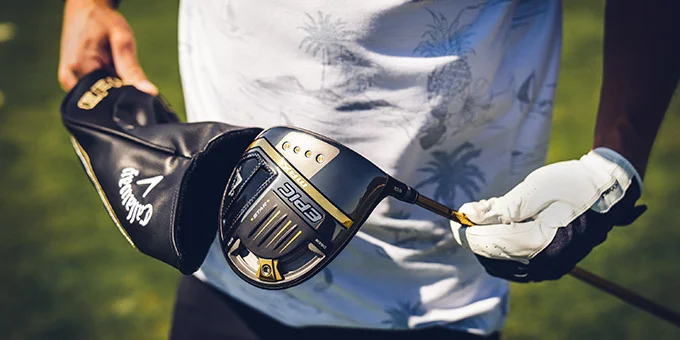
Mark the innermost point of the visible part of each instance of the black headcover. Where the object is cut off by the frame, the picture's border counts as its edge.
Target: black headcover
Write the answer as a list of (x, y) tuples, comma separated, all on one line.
[(160, 180)]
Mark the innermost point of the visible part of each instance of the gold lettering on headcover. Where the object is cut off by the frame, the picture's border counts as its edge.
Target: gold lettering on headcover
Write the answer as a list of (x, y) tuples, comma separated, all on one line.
[(98, 91)]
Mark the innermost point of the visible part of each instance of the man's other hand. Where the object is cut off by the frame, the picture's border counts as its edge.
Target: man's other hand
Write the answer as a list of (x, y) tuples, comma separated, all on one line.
[(94, 36), (548, 223)]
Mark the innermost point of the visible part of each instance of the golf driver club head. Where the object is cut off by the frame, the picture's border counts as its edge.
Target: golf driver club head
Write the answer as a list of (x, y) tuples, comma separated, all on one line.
[(295, 200)]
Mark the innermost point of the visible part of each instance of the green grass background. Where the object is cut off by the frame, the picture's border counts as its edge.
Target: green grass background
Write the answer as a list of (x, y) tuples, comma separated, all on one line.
[(68, 274)]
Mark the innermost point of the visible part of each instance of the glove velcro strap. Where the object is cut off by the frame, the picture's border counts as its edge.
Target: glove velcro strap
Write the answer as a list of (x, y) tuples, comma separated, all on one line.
[(611, 164)]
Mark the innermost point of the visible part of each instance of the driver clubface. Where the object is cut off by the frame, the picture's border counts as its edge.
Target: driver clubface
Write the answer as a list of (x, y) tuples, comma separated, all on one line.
[(295, 200)]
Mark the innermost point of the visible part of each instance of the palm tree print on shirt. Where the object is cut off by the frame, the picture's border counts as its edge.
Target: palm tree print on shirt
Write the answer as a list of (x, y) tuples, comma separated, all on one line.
[(400, 314), (453, 171), (325, 39), (329, 40)]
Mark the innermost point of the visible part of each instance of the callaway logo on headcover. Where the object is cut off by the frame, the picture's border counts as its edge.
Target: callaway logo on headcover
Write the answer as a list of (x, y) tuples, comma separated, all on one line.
[(137, 212)]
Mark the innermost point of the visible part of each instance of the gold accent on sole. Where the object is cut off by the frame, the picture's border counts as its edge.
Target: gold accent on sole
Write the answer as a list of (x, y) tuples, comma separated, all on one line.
[(291, 241), (302, 182), (85, 159), (279, 233), (266, 224), (268, 270)]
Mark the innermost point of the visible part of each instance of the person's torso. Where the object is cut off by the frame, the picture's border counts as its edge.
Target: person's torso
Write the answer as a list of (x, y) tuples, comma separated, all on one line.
[(452, 97)]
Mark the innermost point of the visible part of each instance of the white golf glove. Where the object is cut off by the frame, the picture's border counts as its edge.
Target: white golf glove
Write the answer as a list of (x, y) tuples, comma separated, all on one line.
[(554, 218)]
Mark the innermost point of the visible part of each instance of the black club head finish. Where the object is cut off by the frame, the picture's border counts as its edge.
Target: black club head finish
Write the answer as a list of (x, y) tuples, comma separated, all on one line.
[(295, 200)]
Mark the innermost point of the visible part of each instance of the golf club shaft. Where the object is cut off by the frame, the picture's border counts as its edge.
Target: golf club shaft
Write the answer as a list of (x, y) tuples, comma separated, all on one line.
[(626, 295), (442, 210), (579, 273)]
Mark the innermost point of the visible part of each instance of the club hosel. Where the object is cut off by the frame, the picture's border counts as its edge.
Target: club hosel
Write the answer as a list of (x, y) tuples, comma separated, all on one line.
[(401, 191)]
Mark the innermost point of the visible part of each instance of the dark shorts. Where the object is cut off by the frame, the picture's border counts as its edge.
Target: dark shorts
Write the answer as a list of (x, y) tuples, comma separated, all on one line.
[(202, 312)]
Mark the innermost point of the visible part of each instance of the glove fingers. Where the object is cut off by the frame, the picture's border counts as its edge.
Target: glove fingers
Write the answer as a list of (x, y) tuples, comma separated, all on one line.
[(537, 192), (553, 219), (519, 241)]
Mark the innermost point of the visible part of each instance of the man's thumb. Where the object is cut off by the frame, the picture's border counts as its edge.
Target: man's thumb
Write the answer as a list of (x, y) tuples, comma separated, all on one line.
[(484, 211), (146, 86), (126, 63)]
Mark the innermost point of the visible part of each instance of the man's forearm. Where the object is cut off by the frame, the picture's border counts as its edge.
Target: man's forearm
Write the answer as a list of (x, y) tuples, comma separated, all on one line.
[(641, 71)]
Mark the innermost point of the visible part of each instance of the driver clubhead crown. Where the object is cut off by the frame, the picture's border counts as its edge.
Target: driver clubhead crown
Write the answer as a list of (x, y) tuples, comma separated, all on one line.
[(293, 202)]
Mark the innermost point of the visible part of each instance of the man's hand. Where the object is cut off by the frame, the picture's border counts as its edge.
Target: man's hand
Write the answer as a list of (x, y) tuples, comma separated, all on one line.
[(95, 36), (554, 218)]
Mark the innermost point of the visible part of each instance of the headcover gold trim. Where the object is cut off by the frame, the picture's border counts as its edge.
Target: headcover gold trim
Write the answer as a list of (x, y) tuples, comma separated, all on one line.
[(85, 159), (296, 177), (98, 91)]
